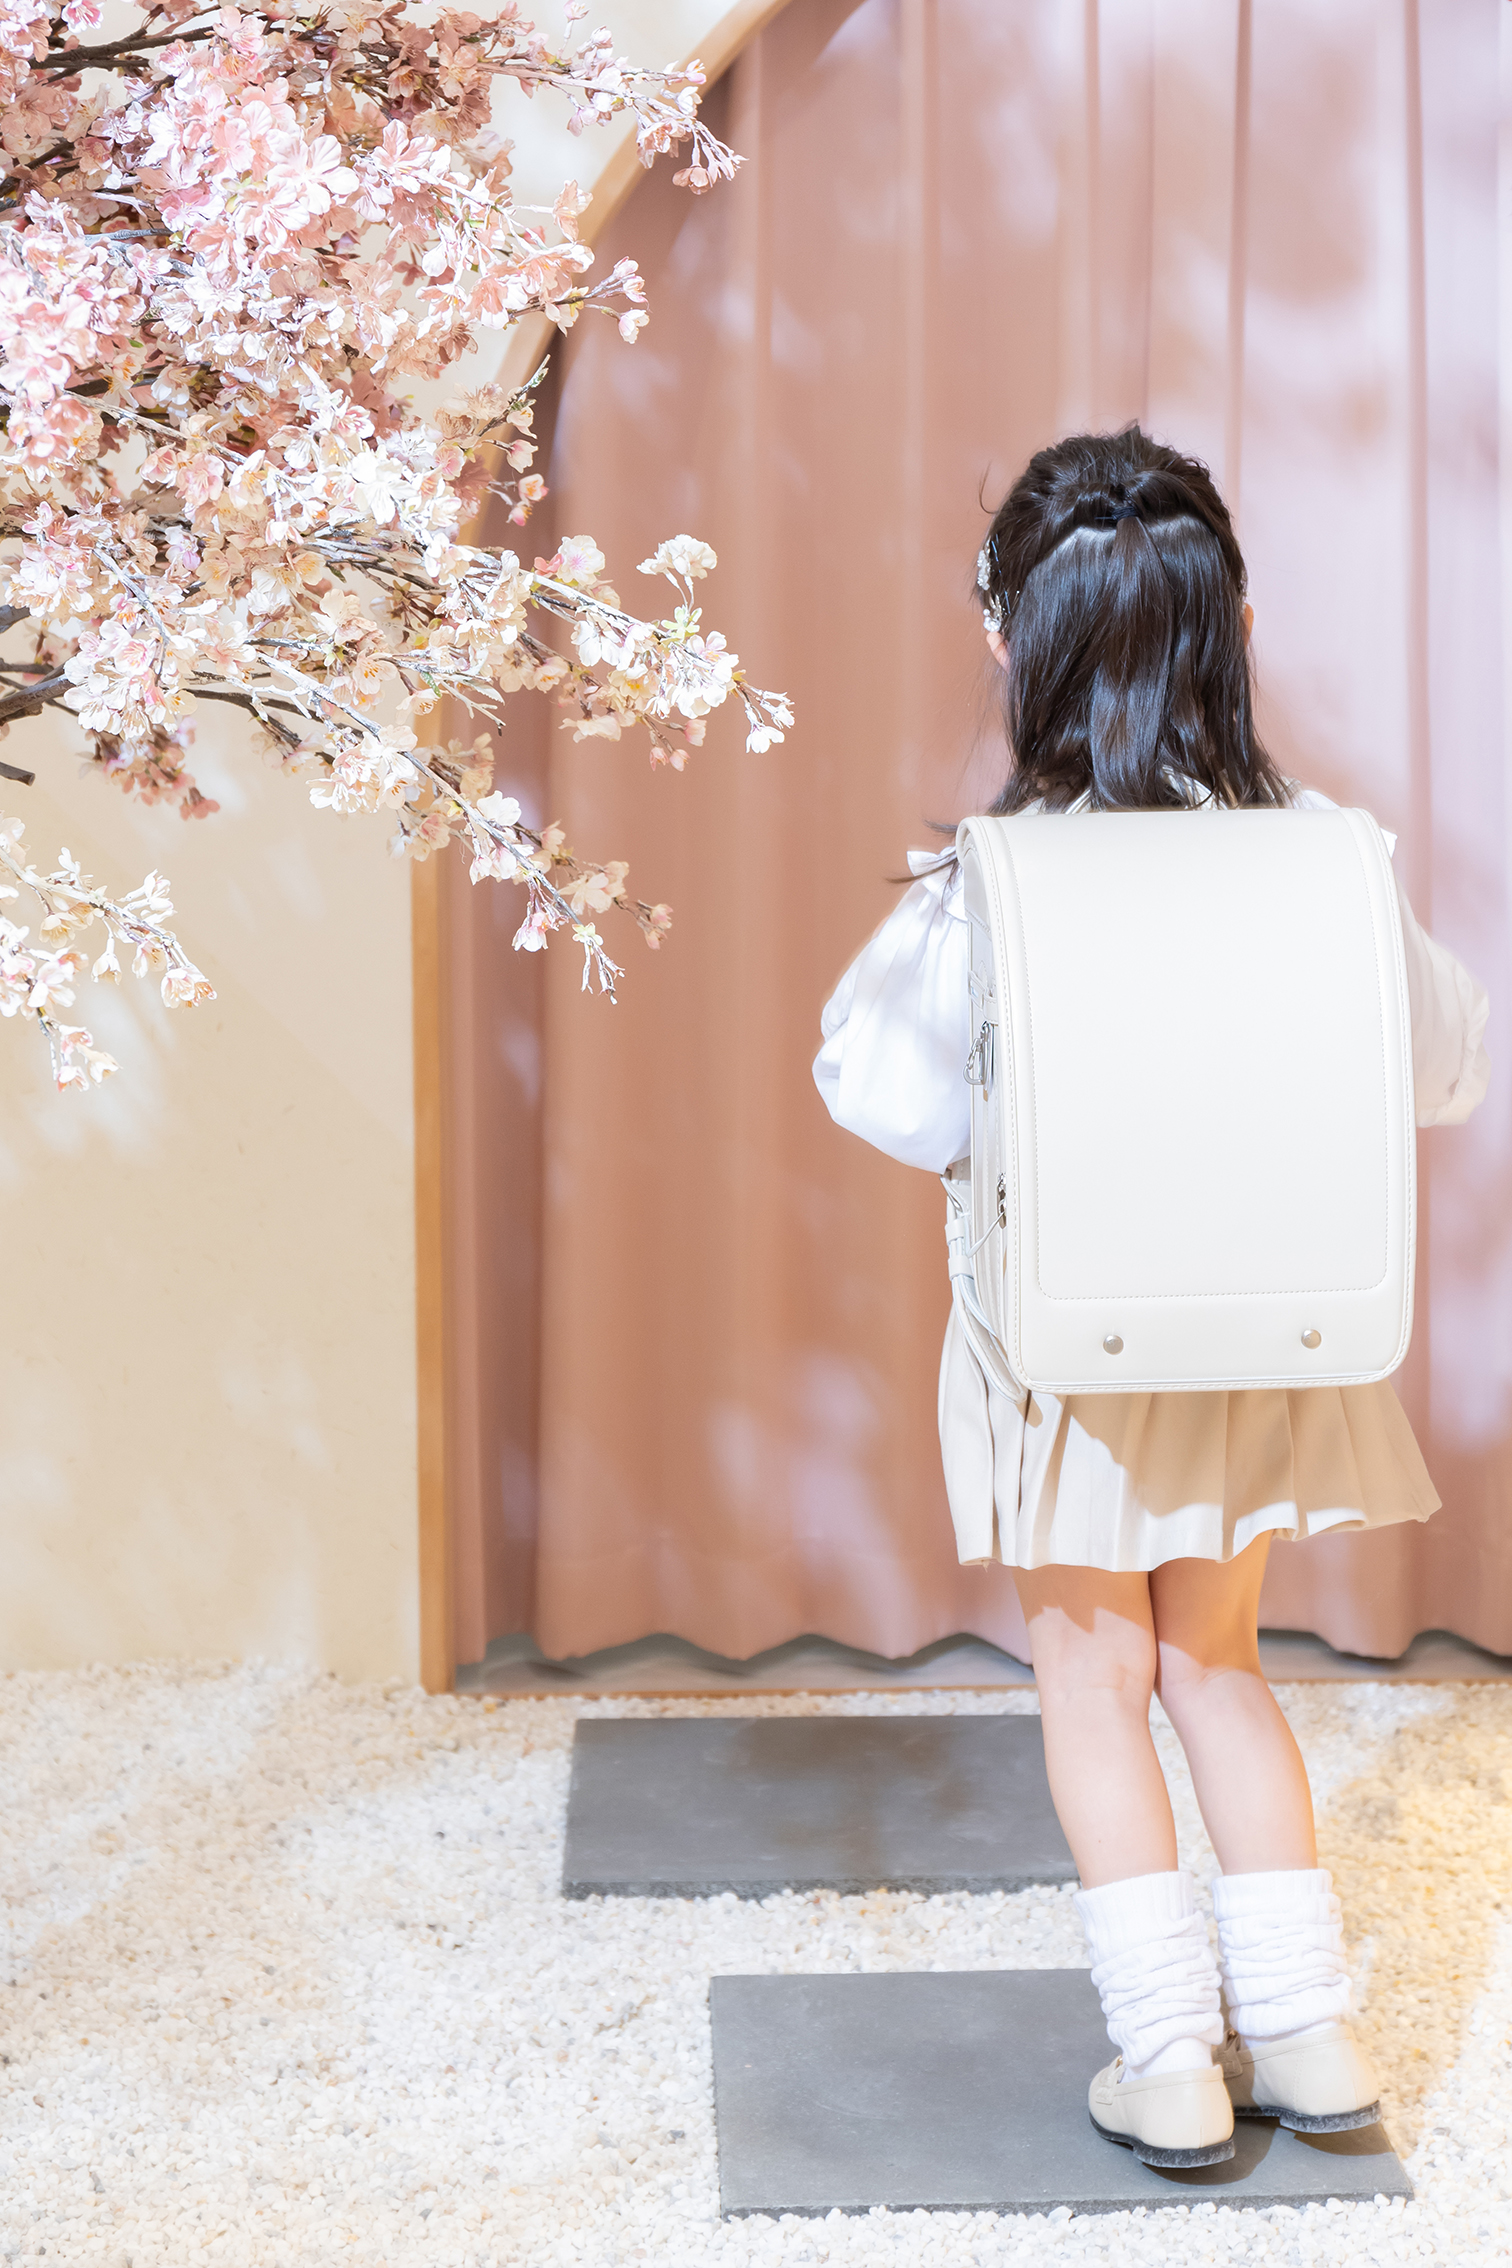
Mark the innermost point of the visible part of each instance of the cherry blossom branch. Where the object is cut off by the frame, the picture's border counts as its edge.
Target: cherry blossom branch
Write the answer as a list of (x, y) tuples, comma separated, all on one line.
[(71, 60), (217, 283), (36, 980), (27, 700)]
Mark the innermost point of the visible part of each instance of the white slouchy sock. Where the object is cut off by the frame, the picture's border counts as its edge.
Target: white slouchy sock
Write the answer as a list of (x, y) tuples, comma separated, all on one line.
[(1281, 1940), (1154, 1971)]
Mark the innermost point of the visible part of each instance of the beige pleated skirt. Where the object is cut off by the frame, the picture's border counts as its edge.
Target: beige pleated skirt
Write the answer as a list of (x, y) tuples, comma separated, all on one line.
[(1128, 1481)]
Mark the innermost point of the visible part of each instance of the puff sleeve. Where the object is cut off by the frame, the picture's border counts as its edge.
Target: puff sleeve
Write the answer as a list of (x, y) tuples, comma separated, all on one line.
[(897, 1027), (1450, 1066)]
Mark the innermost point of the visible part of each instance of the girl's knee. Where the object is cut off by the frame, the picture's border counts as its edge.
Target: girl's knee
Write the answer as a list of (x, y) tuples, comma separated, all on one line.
[(1179, 1678), (1190, 1685), (1101, 1667)]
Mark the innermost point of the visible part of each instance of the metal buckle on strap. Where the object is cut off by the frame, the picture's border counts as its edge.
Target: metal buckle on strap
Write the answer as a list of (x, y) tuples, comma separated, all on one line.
[(1000, 1221), (978, 1070)]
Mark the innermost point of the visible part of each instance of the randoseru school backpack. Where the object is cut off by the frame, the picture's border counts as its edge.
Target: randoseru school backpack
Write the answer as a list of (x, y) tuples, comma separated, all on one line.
[(1192, 1152)]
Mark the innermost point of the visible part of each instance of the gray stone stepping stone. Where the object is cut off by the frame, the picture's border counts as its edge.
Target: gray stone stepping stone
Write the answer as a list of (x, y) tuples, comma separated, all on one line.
[(677, 1807), (965, 2091)]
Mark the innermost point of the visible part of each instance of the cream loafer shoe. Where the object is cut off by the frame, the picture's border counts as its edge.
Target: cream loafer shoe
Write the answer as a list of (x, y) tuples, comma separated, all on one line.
[(1174, 2118), (1321, 2085)]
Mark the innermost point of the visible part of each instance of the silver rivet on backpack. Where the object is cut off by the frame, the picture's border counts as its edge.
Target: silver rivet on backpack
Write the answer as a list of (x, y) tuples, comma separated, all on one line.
[(1112, 1344), (1312, 1338)]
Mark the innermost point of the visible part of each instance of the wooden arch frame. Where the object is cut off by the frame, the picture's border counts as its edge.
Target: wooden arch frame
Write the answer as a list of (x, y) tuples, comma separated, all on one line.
[(733, 31)]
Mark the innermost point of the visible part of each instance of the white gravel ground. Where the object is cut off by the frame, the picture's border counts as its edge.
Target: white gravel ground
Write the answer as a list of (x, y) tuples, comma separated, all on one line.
[(288, 1980)]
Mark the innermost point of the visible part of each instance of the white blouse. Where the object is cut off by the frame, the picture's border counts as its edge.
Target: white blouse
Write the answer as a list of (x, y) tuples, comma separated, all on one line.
[(897, 1028)]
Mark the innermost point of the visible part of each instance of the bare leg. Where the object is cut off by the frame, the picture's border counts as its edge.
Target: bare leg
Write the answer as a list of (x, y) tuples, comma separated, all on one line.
[(1248, 1772), (1093, 1635)]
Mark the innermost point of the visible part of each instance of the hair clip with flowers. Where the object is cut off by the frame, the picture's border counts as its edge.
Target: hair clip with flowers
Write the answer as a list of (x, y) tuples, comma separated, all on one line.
[(995, 612)]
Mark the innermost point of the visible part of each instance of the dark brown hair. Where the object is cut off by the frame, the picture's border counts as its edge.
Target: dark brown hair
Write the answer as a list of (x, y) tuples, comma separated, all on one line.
[(1112, 570)]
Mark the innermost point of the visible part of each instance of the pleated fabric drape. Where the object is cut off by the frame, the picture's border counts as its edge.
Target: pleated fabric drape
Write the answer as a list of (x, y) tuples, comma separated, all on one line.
[(695, 1329)]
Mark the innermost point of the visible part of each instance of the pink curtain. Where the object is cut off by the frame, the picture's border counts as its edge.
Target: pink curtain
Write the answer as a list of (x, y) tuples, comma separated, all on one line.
[(696, 1327)]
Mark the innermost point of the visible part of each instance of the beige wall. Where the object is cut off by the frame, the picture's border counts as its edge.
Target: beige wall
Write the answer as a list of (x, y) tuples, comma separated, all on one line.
[(207, 1411), (207, 1414)]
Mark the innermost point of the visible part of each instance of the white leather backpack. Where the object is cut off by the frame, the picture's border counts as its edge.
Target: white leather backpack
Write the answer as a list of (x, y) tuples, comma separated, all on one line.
[(1192, 1149)]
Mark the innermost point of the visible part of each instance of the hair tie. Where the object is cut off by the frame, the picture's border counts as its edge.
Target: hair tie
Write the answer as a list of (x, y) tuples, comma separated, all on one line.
[(1125, 512)]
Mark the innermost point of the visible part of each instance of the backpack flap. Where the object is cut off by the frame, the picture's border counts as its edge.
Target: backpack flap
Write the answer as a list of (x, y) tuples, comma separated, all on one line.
[(1194, 1096)]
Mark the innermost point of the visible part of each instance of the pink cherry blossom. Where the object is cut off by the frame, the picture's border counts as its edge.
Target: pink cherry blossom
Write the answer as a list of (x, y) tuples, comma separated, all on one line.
[(232, 247)]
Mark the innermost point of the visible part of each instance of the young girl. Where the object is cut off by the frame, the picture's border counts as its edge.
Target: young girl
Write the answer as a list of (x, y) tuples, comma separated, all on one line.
[(1137, 1525)]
